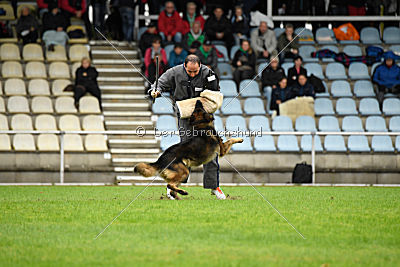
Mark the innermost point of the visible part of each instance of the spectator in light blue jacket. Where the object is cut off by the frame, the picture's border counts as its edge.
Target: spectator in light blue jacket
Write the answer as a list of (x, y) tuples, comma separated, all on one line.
[(177, 56)]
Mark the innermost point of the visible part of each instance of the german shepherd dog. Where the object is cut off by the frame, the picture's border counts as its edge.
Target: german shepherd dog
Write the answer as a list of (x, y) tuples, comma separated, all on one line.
[(175, 162)]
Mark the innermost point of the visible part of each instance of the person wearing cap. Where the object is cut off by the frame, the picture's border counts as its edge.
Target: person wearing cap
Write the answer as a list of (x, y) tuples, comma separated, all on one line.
[(296, 70), (147, 37), (208, 56), (195, 34), (186, 81), (244, 62)]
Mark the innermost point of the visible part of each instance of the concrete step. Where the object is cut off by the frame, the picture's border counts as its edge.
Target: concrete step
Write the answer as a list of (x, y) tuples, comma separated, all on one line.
[(127, 113), (133, 179), (138, 78), (134, 150), (129, 161), (133, 143), (125, 106), (124, 96), (128, 125), (111, 61), (122, 89)]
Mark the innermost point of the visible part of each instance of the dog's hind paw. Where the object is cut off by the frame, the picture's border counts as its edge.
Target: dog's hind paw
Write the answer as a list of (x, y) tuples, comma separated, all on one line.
[(237, 140), (183, 192)]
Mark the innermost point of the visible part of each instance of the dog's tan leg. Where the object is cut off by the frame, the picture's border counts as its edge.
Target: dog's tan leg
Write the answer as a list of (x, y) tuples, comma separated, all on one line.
[(179, 175), (226, 147)]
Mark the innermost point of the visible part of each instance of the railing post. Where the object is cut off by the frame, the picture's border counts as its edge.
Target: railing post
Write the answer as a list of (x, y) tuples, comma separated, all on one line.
[(269, 8), (62, 157), (313, 156)]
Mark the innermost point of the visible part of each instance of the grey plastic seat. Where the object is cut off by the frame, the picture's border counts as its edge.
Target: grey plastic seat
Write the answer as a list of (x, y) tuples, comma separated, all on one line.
[(222, 49), (375, 124), (358, 71), (369, 106), (264, 143), (286, 66), (335, 71), (249, 88), (282, 124), (228, 88), (352, 50), (314, 68), (391, 35), (391, 106), (166, 123), (352, 124), (305, 52), (235, 123), (218, 124), (346, 106), (358, 143), (254, 106), (341, 88), (305, 123), (363, 88), (306, 143), (394, 124), (305, 36), (259, 123), (334, 143), (231, 106), (325, 36), (328, 124), (234, 49), (370, 35), (323, 106), (169, 140), (382, 143), (225, 71), (288, 143), (162, 106), (243, 147)]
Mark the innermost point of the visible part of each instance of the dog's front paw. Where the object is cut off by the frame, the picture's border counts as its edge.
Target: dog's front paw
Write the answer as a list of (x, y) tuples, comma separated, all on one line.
[(238, 140)]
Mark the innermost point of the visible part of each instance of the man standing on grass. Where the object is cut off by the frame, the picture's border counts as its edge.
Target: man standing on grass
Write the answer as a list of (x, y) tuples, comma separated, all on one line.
[(188, 81)]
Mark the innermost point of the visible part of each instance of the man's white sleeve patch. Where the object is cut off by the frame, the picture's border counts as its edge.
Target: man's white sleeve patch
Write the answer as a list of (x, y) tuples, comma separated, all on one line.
[(211, 78)]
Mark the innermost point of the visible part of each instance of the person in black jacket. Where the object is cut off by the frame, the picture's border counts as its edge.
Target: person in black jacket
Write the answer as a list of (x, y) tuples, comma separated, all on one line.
[(27, 27), (218, 27), (240, 25), (147, 37), (280, 94), (271, 77), (303, 87), (296, 70), (54, 19), (86, 82), (245, 62)]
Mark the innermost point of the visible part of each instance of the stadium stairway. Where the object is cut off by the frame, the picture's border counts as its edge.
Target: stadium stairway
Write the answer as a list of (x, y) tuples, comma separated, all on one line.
[(124, 107)]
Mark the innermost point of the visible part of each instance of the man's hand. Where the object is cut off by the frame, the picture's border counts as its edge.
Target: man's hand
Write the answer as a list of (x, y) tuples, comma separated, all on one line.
[(78, 14), (239, 63), (154, 93), (219, 35), (278, 102)]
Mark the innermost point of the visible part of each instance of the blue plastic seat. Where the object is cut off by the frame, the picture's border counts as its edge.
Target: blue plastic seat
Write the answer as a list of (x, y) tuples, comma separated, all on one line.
[(394, 124), (305, 36), (222, 49), (325, 93), (352, 50), (225, 71), (231, 106), (282, 124), (333, 48), (341, 88), (228, 88), (254, 106), (395, 49), (260, 69), (278, 32), (264, 143), (370, 35), (373, 67), (288, 143), (335, 71), (314, 68), (162, 106), (382, 143), (249, 88), (375, 124), (259, 123), (325, 36), (305, 52), (234, 49), (218, 124), (358, 143), (391, 106), (328, 124), (166, 123), (306, 143), (141, 31), (352, 124), (369, 106), (286, 66), (397, 144), (305, 124), (168, 49), (391, 35), (243, 147), (235, 123), (334, 143), (169, 140), (346, 106), (323, 106), (363, 88), (358, 71)]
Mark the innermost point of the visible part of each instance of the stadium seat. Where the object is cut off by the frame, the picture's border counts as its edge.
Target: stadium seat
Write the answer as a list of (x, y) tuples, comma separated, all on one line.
[(369, 106), (394, 124), (278, 32), (335, 71), (352, 50), (59, 54), (93, 123), (82, 40), (38, 87), (169, 140), (95, 143), (222, 49), (254, 106), (346, 106), (65, 104), (358, 143), (9, 52), (391, 106), (48, 142), (9, 12), (324, 93), (261, 68), (3, 122), (306, 143), (2, 106), (59, 70), (58, 87), (259, 123), (166, 123), (397, 143), (73, 143), (168, 49), (231, 106), (305, 124), (352, 124), (69, 123), (162, 106), (21, 122), (225, 71), (334, 143), (264, 143), (323, 106), (314, 68), (288, 143), (141, 31), (305, 36), (249, 88), (363, 88), (45, 122), (89, 105), (333, 48), (391, 35), (228, 88), (35, 70), (243, 147), (358, 71), (286, 66), (74, 67), (375, 124), (18, 104), (77, 52), (328, 124), (11, 69), (373, 67), (395, 49), (5, 144), (218, 124), (282, 124), (382, 143), (42, 104), (341, 88), (1, 88), (234, 49), (235, 123), (14, 87), (32, 52), (370, 35), (325, 36), (305, 52), (24, 142)]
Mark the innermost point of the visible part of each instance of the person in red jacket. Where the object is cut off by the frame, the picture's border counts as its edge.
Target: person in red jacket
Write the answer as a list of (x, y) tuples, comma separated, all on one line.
[(190, 16), (149, 57), (170, 24), (78, 9)]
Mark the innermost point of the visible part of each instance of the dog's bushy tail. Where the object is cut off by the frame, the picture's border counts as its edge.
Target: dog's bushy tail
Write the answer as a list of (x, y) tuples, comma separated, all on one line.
[(145, 169)]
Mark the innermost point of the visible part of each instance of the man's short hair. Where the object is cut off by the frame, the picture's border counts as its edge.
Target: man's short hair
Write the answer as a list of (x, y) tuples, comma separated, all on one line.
[(289, 26), (156, 39), (178, 45), (192, 58)]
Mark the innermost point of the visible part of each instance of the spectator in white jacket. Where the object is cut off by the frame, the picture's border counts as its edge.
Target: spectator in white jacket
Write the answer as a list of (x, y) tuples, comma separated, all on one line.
[(263, 41)]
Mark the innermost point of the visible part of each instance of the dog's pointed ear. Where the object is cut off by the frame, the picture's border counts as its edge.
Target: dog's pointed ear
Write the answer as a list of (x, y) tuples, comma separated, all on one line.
[(198, 104)]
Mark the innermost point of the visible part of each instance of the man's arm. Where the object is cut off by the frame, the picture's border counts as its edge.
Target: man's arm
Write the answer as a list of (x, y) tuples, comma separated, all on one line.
[(271, 41), (254, 44), (211, 80), (166, 80)]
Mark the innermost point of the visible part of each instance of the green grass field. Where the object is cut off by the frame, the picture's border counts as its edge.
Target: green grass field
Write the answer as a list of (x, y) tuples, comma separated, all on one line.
[(56, 226)]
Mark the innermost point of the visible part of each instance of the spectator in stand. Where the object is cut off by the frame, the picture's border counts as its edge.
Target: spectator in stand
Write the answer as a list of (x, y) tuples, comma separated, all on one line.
[(194, 47), (86, 82), (280, 94), (147, 37), (387, 77), (208, 55), (219, 28), (244, 62), (271, 77), (177, 56), (127, 12), (54, 27), (191, 16), (99, 12), (78, 9), (296, 70), (151, 68), (43, 6), (240, 25), (27, 27), (263, 41), (195, 34), (303, 87), (150, 54), (287, 44), (170, 24)]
